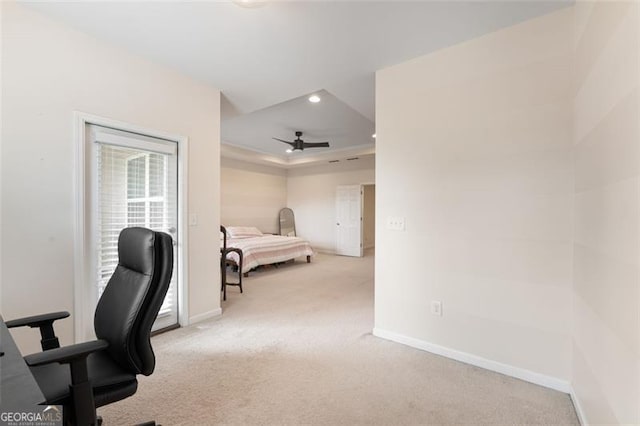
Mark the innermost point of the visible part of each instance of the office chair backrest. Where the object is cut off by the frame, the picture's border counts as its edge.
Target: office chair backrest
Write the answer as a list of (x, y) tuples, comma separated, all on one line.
[(133, 296)]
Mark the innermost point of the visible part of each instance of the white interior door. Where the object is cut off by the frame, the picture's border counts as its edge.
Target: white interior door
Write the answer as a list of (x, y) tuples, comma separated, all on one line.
[(349, 220), (134, 184)]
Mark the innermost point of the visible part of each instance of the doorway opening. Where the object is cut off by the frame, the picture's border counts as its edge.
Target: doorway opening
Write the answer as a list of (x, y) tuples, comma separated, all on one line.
[(355, 219)]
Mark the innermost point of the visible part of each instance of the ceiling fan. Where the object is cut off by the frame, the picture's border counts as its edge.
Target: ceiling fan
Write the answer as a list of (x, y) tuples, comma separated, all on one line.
[(299, 145)]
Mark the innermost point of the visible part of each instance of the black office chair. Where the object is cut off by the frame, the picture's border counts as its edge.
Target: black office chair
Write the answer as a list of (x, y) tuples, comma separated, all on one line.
[(104, 371)]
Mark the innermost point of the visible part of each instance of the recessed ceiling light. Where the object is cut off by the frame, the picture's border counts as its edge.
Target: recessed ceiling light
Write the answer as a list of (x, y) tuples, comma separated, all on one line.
[(250, 4), (314, 99), (373, 135)]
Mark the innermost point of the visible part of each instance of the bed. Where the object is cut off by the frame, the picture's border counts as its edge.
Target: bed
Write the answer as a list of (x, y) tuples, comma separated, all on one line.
[(264, 249)]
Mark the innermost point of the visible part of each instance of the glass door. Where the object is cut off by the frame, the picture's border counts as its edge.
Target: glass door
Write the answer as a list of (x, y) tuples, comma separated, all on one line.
[(135, 184)]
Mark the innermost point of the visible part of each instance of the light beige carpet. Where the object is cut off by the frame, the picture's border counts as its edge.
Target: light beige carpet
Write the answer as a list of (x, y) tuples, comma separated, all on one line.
[(296, 348)]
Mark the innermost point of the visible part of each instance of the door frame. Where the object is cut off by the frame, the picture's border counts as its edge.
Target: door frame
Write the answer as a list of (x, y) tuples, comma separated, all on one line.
[(82, 200), (374, 209)]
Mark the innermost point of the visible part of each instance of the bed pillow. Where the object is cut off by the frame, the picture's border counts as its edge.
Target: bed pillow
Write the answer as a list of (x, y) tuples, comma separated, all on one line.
[(243, 232)]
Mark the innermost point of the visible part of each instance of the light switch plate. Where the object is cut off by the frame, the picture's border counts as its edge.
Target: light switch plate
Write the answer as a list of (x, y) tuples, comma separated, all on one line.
[(395, 223), (436, 307)]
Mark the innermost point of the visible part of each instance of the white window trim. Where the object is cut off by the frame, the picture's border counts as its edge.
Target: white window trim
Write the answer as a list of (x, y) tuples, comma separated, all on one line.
[(82, 267)]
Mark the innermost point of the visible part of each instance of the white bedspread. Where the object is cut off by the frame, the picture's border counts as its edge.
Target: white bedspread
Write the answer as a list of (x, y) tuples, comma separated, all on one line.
[(268, 249)]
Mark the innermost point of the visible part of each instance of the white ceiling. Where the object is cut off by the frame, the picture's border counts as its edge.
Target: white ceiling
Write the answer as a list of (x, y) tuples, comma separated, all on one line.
[(328, 120), (266, 60)]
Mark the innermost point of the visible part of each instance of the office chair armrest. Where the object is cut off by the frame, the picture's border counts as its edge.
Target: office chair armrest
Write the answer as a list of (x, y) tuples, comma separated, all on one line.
[(37, 320), (84, 409), (66, 354), (45, 323)]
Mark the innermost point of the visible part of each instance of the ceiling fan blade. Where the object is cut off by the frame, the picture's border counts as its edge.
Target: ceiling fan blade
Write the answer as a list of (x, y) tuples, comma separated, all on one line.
[(287, 142), (316, 144)]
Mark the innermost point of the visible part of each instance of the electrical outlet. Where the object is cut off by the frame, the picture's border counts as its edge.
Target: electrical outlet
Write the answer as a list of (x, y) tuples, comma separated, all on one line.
[(395, 223), (436, 307)]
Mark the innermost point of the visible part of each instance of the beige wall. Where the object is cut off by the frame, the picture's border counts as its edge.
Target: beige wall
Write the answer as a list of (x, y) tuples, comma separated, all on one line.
[(251, 194), (369, 216), (473, 149), (606, 299), (49, 71), (311, 193), (522, 194)]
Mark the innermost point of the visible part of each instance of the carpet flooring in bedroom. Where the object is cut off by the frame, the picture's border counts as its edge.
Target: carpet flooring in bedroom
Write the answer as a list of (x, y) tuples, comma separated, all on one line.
[(296, 348)]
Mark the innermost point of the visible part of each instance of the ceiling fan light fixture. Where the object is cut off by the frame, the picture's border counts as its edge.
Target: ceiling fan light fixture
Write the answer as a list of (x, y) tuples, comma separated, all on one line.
[(289, 151), (299, 145), (314, 99)]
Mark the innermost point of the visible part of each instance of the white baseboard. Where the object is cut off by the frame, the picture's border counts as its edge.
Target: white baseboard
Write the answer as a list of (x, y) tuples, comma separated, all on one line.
[(467, 358), (205, 316), (578, 407)]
